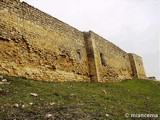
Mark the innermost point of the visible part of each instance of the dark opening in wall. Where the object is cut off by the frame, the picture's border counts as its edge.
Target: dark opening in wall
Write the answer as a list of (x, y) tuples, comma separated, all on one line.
[(62, 53), (103, 61), (78, 54)]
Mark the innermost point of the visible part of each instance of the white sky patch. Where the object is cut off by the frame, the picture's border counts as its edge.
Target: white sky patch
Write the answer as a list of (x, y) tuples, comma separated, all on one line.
[(133, 25)]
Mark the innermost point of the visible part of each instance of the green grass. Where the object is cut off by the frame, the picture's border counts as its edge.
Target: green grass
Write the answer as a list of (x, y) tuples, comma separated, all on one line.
[(78, 100)]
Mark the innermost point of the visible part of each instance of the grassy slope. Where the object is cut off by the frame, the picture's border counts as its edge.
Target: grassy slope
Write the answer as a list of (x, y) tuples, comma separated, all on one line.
[(78, 100)]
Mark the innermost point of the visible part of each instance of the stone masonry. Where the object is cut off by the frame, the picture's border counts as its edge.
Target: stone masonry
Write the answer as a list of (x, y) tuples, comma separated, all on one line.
[(36, 45)]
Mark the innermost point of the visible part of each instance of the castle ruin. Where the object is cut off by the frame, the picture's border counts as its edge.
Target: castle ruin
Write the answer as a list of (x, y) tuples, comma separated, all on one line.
[(36, 45)]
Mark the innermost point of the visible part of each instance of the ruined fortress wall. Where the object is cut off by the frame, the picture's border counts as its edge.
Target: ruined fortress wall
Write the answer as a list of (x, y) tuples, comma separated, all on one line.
[(112, 62), (36, 45)]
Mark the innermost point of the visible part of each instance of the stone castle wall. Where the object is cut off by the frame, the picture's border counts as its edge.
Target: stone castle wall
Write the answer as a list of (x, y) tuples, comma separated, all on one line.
[(36, 45), (137, 66), (112, 62)]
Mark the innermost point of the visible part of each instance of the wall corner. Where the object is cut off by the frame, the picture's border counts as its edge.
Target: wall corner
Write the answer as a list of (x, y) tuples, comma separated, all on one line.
[(137, 66)]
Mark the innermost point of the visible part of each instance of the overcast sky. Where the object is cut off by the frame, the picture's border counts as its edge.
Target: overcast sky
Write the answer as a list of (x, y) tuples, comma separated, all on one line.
[(133, 25)]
